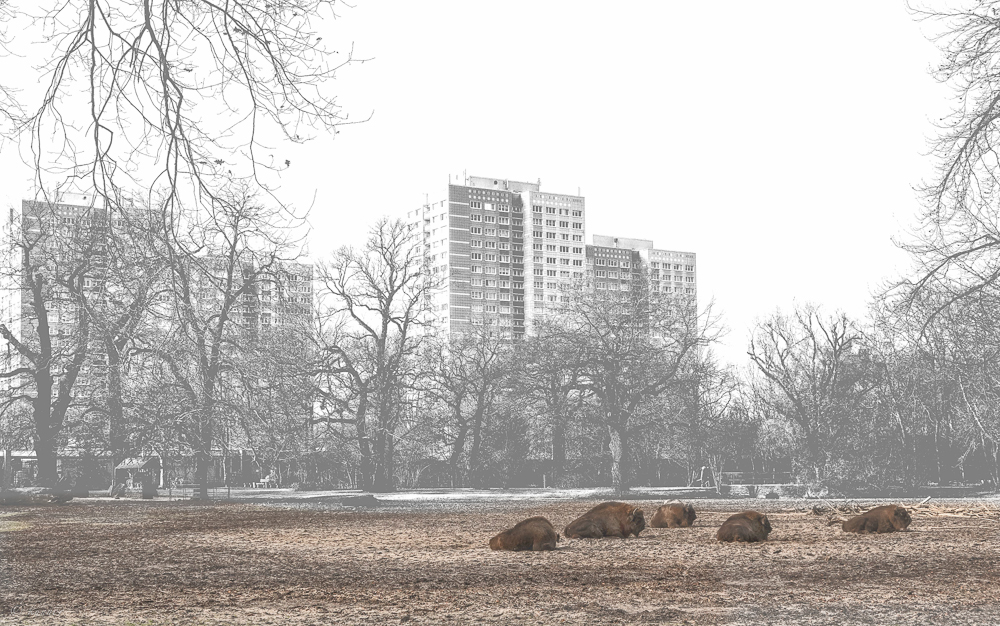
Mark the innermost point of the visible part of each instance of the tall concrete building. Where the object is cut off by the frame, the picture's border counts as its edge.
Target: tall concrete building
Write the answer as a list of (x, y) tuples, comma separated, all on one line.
[(64, 242), (501, 249)]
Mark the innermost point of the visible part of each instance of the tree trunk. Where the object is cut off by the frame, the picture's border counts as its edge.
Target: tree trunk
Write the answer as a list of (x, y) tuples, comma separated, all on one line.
[(558, 451), (620, 451)]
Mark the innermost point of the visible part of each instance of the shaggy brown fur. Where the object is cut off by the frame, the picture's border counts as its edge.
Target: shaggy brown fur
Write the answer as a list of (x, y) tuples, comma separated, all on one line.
[(749, 526), (610, 519), (881, 519), (678, 515), (534, 533)]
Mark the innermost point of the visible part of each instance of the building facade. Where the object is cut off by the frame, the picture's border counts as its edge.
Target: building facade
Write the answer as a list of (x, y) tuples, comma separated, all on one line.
[(501, 249), (615, 261)]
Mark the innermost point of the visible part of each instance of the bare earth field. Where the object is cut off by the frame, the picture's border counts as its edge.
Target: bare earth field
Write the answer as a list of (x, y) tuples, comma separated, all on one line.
[(101, 561)]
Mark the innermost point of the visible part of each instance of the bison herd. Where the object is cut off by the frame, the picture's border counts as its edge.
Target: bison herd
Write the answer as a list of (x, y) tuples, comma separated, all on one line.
[(618, 519)]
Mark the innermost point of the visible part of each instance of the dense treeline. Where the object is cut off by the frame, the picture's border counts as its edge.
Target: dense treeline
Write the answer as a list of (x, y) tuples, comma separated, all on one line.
[(613, 388)]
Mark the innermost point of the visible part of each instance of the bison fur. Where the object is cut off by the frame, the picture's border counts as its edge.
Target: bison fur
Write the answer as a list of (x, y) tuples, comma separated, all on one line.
[(881, 519), (677, 515), (535, 533), (748, 526), (610, 519)]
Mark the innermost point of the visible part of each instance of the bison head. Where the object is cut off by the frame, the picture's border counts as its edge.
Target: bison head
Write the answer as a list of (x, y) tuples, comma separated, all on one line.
[(689, 514), (901, 518), (636, 521)]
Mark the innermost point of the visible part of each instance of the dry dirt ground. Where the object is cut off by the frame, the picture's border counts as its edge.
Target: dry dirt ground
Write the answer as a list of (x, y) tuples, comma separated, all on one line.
[(133, 562)]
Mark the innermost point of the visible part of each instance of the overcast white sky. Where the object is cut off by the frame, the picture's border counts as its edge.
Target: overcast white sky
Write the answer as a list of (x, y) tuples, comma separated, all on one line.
[(778, 140)]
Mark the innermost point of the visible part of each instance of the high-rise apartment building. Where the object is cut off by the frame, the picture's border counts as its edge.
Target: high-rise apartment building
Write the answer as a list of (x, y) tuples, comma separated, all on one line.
[(54, 252), (501, 249), (506, 252)]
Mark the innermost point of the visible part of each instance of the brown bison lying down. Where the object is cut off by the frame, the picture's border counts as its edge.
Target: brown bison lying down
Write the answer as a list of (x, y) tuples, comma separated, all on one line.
[(673, 516), (610, 519), (881, 519), (535, 533), (747, 526)]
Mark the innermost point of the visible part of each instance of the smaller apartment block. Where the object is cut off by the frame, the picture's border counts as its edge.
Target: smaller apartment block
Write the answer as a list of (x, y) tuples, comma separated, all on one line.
[(615, 261)]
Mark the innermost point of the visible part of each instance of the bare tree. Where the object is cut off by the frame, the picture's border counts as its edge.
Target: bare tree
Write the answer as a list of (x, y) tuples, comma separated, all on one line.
[(468, 374), (217, 264), (956, 243), (633, 346), (162, 94), (378, 296), (549, 374), (814, 375), (56, 260)]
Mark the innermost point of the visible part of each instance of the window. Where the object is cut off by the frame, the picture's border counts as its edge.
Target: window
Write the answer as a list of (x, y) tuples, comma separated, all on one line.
[(536, 246), (504, 220), (491, 244), (578, 262), (601, 273), (563, 261), (577, 250), (477, 256), (550, 259), (505, 258), (476, 230), (688, 268), (504, 233), (491, 257), (577, 237), (578, 225), (477, 269), (504, 245), (626, 264), (599, 262), (505, 271), (550, 248), (477, 295), (537, 271), (577, 213), (550, 210), (538, 284), (550, 272), (536, 208), (550, 235), (475, 204), (536, 233), (491, 270), (550, 285), (490, 219), (564, 236), (518, 285), (477, 282), (491, 232), (563, 224), (505, 284), (564, 249)]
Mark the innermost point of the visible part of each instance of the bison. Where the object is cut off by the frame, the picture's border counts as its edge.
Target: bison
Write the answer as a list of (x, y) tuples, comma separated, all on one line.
[(748, 526), (677, 515), (610, 519), (535, 533), (881, 519)]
